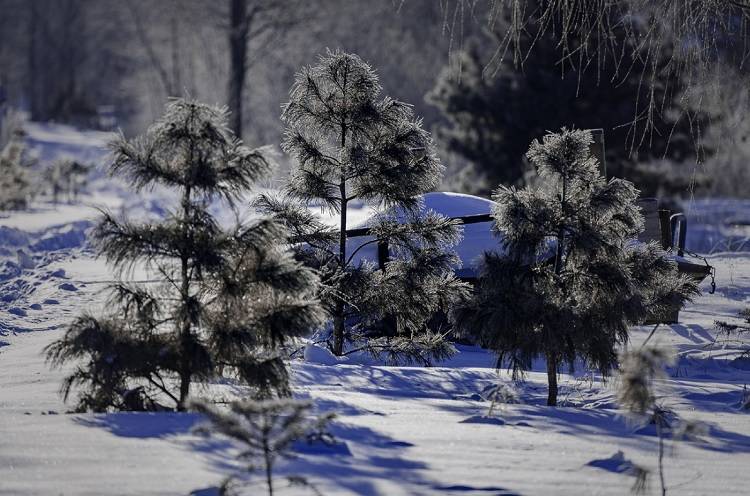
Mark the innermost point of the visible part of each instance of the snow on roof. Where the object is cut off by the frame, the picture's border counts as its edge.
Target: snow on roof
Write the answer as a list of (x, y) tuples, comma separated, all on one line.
[(477, 238)]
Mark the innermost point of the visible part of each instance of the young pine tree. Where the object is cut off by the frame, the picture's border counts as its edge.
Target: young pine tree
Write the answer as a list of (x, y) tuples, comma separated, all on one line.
[(570, 279), (642, 374), (15, 183), (736, 330), (351, 144), (67, 177), (228, 299), (265, 430)]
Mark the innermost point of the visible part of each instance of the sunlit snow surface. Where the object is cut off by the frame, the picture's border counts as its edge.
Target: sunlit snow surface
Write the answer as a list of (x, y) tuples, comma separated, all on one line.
[(401, 430)]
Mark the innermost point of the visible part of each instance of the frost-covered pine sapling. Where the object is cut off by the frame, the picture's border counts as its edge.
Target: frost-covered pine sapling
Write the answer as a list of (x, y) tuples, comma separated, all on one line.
[(639, 371), (67, 177), (570, 279), (226, 300), (15, 182), (737, 331), (53, 178), (350, 144), (500, 393), (77, 178), (265, 431)]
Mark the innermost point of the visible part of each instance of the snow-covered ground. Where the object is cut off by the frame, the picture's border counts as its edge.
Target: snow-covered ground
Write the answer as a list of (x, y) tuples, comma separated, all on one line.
[(403, 430), (400, 430)]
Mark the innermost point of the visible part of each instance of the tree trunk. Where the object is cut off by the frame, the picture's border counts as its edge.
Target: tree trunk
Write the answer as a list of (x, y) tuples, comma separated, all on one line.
[(559, 253), (36, 110), (338, 320), (269, 469), (661, 455), (238, 31), (551, 380), (185, 338)]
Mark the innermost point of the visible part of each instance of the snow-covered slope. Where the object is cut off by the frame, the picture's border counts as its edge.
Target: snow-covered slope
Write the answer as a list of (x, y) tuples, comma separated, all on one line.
[(49, 142)]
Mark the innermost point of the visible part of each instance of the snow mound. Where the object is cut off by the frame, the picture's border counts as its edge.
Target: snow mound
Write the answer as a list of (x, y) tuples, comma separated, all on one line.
[(455, 204), (320, 355), (71, 235)]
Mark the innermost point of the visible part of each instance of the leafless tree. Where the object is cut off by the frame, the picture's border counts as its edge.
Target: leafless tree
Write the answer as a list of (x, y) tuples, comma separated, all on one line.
[(253, 26)]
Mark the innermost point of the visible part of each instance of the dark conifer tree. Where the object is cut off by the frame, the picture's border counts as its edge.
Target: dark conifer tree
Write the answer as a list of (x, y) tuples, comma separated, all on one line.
[(570, 279), (67, 177), (228, 299), (15, 181), (498, 104), (351, 144)]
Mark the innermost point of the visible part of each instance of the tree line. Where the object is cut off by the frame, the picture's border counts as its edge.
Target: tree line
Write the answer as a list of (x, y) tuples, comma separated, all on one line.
[(495, 80), (564, 284)]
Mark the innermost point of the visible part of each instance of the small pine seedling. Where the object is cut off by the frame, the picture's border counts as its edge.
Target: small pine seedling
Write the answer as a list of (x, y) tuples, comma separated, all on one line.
[(640, 372), (266, 431)]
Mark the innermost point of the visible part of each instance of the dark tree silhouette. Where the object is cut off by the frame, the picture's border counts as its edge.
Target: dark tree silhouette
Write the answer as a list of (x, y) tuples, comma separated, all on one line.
[(495, 106), (228, 300), (570, 279), (351, 144)]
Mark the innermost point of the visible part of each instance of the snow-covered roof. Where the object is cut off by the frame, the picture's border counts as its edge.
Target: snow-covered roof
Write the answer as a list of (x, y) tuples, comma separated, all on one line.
[(477, 238)]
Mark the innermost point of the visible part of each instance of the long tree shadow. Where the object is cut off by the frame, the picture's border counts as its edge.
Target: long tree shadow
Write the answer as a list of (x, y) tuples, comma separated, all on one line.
[(367, 460), (411, 382), (729, 401), (141, 424), (693, 332), (593, 424), (375, 457), (359, 462)]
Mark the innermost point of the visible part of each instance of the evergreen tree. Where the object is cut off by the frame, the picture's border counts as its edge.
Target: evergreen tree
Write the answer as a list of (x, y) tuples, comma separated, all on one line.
[(351, 144), (499, 103), (735, 332), (15, 182), (570, 279), (66, 177), (641, 372), (733, 328), (266, 431), (228, 300)]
